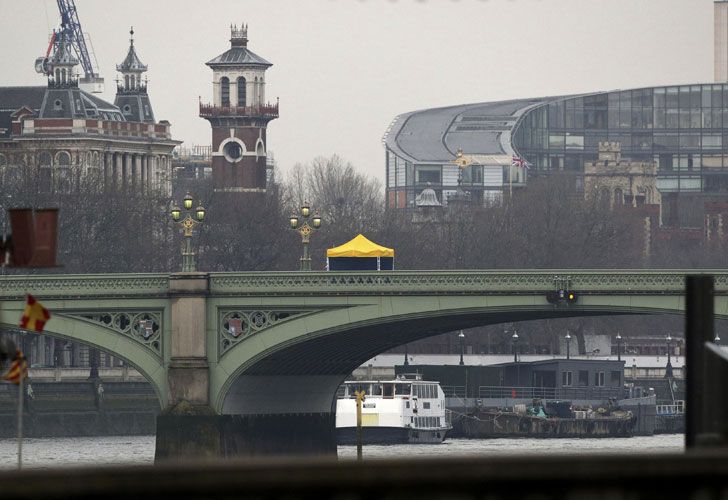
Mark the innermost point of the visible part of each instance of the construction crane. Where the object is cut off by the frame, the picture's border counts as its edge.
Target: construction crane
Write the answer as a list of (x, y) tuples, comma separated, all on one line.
[(72, 33)]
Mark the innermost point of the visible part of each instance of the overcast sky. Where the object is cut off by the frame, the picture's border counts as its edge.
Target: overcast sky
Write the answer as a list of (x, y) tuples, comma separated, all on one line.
[(343, 69)]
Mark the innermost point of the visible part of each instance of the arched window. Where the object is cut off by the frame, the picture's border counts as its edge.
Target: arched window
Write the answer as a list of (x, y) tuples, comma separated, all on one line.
[(58, 75), (63, 159), (256, 100), (241, 92), (224, 91), (618, 197)]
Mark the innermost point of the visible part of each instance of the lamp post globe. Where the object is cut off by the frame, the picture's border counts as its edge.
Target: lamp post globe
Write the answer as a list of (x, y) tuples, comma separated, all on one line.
[(568, 345), (668, 367), (619, 347), (461, 336), (514, 337), (188, 201)]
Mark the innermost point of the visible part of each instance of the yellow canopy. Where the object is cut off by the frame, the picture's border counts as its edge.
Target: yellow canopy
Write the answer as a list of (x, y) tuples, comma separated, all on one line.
[(360, 247)]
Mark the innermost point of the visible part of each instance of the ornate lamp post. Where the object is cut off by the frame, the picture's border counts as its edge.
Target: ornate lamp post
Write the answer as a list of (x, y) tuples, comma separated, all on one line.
[(568, 345), (619, 347), (668, 367), (514, 337), (461, 336), (716, 340), (188, 224), (406, 361), (304, 229)]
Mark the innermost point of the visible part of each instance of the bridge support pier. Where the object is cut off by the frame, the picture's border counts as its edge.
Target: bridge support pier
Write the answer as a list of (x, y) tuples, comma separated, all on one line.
[(188, 433)]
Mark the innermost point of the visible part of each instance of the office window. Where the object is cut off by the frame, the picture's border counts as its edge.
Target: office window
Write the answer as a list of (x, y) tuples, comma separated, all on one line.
[(432, 175), (583, 378)]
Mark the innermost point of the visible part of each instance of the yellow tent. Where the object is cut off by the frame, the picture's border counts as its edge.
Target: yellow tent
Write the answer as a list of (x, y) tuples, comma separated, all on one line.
[(360, 254)]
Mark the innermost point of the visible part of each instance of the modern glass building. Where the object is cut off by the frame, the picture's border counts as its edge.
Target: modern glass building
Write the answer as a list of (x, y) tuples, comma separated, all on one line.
[(684, 129)]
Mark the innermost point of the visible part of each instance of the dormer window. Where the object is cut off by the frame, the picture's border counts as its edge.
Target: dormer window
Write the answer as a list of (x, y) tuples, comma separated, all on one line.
[(58, 105), (127, 109)]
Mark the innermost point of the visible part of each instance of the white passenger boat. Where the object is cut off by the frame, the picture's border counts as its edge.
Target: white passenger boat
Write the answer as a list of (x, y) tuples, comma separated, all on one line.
[(404, 410)]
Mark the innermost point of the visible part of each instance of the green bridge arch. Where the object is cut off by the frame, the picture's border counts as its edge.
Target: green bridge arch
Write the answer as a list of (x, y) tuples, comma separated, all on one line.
[(280, 342)]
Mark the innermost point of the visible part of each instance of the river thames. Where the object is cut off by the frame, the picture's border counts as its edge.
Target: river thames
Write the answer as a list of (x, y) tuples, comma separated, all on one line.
[(139, 450)]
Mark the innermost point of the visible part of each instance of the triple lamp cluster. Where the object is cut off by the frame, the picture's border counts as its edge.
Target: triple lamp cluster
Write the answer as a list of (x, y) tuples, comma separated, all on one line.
[(188, 224), (305, 229)]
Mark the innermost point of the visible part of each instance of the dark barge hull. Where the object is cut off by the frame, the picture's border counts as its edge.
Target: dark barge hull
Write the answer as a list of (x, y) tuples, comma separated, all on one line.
[(499, 425), (390, 435)]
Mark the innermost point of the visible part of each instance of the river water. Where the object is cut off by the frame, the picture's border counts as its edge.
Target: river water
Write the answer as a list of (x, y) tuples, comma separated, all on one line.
[(139, 450)]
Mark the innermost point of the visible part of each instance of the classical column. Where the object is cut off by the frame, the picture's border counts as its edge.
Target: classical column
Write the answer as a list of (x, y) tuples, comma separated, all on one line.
[(143, 174), (118, 171)]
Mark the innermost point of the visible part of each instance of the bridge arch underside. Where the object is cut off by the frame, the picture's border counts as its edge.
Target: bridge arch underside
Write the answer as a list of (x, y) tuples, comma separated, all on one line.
[(302, 374), (106, 340)]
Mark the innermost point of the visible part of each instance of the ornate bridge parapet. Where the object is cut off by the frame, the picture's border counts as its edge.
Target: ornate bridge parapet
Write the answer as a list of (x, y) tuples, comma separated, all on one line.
[(456, 282)]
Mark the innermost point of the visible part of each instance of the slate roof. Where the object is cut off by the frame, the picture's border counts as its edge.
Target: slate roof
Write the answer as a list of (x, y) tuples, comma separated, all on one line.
[(131, 62), (14, 98), (75, 104), (236, 56)]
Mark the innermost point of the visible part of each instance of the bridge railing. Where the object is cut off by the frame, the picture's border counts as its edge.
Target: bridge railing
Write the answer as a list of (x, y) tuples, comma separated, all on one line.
[(433, 282), (429, 282), (568, 393)]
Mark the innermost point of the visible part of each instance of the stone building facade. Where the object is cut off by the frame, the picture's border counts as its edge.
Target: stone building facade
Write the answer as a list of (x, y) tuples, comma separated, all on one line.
[(618, 182), (61, 135)]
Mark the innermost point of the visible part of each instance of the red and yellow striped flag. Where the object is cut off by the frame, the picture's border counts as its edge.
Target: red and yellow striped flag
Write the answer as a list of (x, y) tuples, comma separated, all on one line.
[(18, 369), (35, 315)]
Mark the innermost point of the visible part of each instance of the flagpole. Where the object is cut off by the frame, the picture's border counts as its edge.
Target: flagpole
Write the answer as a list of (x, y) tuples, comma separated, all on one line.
[(20, 421)]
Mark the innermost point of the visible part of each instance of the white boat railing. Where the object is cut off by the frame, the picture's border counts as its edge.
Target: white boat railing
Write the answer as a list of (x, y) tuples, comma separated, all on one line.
[(677, 408)]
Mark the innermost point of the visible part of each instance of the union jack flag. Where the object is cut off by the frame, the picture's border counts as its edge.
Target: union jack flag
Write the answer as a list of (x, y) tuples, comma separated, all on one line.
[(517, 161)]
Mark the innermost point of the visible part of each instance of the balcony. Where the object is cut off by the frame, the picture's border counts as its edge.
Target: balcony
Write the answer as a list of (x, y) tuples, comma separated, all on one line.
[(269, 111)]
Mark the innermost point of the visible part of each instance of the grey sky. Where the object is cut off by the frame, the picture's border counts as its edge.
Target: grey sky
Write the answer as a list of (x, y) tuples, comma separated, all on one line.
[(344, 68)]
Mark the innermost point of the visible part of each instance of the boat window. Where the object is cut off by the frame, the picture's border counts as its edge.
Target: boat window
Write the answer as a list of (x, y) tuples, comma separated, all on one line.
[(406, 405), (352, 388), (388, 390), (583, 377), (426, 405), (402, 389), (376, 390)]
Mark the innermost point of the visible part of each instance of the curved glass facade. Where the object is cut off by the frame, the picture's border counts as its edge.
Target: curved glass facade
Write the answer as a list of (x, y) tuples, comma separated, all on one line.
[(681, 128)]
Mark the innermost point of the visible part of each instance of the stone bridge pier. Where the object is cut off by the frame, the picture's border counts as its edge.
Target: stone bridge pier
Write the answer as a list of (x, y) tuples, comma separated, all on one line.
[(261, 415)]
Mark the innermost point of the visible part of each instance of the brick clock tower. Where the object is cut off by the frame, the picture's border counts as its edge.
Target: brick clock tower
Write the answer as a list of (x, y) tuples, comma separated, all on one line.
[(239, 117)]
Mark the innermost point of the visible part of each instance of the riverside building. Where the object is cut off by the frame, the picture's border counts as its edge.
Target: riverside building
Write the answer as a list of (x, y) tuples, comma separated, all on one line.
[(682, 129)]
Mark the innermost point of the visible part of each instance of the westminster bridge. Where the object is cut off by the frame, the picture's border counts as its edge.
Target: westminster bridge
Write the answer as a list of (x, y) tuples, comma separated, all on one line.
[(276, 345)]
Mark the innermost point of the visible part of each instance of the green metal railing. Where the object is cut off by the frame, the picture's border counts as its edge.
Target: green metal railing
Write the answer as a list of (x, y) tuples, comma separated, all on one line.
[(460, 282)]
